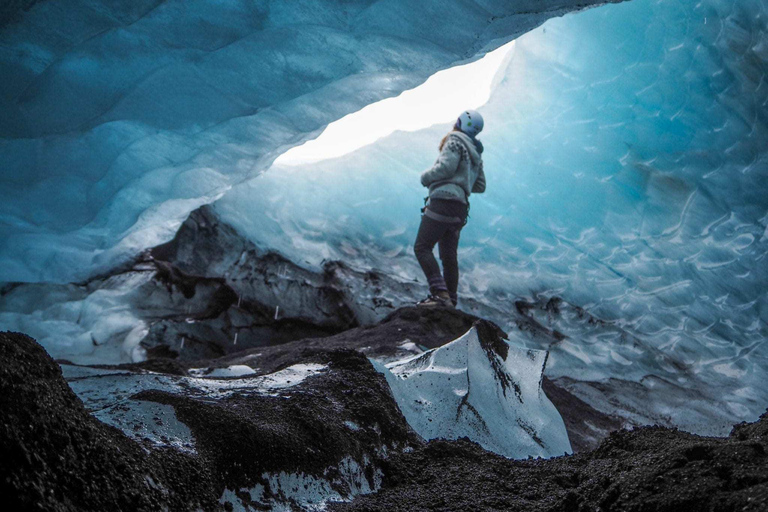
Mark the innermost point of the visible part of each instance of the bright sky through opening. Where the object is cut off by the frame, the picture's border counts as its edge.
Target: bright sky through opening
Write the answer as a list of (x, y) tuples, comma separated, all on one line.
[(440, 99)]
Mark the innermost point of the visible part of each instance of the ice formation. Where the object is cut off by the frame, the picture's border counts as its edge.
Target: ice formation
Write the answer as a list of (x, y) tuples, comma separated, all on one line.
[(109, 394), (490, 394), (121, 118), (626, 162), (81, 324), (85, 382), (625, 154)]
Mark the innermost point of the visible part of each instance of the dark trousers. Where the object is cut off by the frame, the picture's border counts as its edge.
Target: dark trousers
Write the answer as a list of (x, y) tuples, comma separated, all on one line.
[(446, 236)]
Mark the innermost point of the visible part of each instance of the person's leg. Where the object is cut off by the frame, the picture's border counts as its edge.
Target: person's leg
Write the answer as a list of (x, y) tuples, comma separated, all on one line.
[(430, 232), (448, 246)]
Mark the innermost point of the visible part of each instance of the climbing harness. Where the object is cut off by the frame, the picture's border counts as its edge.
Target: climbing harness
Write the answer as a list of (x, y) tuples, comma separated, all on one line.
[(443, 218)]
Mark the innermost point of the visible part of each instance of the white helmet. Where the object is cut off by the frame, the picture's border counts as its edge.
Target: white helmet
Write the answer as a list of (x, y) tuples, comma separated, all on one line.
[(470, 122)]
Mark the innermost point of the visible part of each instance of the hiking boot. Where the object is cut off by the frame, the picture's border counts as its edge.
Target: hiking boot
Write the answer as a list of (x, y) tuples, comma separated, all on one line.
[(438, 299)]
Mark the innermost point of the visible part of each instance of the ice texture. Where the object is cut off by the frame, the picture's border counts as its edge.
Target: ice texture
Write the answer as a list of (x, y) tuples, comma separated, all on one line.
[(626, 166), (119, 118), (466, 389), (82, 324), (625, 158)]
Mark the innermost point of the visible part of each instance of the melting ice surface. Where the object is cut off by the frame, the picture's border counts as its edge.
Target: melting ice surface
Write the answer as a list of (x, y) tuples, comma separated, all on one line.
[(464, 389), (108, 394), (626, 161)]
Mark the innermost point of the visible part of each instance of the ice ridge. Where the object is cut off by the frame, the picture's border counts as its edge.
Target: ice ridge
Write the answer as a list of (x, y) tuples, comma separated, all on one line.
[(481, 387)]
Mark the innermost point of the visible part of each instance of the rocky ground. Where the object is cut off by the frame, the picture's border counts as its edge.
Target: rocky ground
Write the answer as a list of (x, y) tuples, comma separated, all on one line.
[(328, 433), (55, 456), (403, 333), (650, 468), (336, 434)]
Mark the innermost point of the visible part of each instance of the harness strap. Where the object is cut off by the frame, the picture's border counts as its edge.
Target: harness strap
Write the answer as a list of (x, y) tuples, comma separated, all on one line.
[(442, 218)]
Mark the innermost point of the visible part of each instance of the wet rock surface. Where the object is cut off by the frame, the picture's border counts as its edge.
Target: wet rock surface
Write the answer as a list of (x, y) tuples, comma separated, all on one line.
[(343, 416), (406, 331), (268, 299), (586, 425)]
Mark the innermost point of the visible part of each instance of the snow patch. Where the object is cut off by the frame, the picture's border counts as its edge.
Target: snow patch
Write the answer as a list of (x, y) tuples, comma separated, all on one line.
[(298, 491), (108, 393), (237, 370)]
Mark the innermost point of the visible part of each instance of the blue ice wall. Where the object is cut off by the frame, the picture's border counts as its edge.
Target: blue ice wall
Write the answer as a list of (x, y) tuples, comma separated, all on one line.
[(633, 145), (626, 165), (626, 162), (119, 118)]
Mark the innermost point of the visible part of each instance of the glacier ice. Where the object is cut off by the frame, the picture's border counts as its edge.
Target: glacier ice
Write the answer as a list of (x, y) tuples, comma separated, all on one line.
[(237, 370), (476, 389), (121, 118), (626, 161), (88, 383), (78, 322), (625, 153)]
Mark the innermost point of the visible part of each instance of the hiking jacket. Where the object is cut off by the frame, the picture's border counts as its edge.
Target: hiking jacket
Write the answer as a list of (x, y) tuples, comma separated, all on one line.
[(458, 171)]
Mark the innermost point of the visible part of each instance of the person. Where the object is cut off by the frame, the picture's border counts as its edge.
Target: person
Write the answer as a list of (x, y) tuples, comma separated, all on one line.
[(456, 174)]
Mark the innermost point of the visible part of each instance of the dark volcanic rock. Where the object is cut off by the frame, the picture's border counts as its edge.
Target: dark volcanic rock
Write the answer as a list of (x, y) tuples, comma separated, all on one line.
[(650, 468), (336, 296), (586, 425), (227, 295), (334, 427), (344, 414), (231, 295), (424, 328), (55, 456), (253, 445)]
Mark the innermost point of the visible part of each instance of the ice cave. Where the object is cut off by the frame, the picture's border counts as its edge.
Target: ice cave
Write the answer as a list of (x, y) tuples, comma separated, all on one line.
[(207, 219)]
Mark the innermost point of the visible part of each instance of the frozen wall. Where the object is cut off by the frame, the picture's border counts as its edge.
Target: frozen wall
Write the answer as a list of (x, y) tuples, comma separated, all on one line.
[(626, 161), (119, 118)]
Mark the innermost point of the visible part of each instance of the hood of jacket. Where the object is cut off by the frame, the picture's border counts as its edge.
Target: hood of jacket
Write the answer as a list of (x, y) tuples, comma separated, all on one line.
[(472, 148)]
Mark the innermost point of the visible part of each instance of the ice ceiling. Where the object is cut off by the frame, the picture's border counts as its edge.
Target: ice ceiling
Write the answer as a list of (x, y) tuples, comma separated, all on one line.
[(625, 155), (119, 118)]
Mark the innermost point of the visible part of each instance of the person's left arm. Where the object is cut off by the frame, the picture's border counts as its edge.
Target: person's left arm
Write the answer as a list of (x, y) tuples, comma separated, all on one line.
[(445, 166), (479, 185)]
